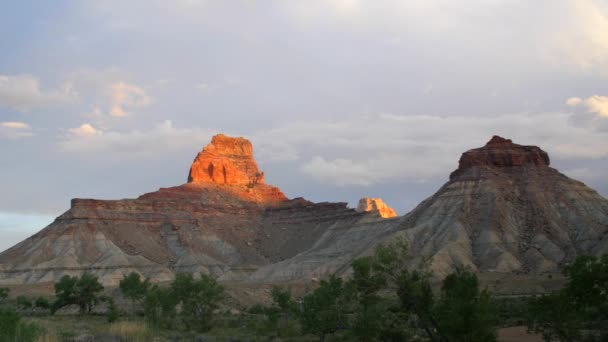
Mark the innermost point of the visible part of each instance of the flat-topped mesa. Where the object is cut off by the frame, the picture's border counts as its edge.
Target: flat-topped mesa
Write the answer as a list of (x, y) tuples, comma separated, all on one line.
[(377, 205), (501, 153), (226, 160)]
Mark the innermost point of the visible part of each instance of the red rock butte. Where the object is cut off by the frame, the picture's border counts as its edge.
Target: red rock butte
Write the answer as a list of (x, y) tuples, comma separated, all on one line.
[(226, 160), (501, 153)]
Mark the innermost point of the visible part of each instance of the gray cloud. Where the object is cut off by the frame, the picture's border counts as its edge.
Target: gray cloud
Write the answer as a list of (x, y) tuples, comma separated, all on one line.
[(23, 92)]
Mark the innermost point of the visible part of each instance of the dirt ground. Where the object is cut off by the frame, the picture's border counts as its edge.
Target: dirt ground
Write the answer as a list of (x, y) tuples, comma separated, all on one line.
[(518, 334)]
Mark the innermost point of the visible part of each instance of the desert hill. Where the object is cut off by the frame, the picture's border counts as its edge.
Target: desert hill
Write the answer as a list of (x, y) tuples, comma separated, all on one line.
[(503, 210)]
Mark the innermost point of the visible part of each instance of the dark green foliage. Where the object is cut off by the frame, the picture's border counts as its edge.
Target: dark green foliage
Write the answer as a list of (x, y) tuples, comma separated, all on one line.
[(24, 302), (134, 288), (112, 313), (463, 311), (83, 291), (198, 298), (324, 311), (378, 281), (3, 293), (42, 303), (12, 328), (580, 310), (159, 307)]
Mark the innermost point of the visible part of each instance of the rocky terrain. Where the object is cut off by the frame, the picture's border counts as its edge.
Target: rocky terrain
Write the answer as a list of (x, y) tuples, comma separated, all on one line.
[(375, 205), (503, 210)]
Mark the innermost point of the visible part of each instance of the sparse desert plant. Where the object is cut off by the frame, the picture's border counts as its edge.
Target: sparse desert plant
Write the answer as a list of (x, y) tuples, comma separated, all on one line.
[(131, 331)]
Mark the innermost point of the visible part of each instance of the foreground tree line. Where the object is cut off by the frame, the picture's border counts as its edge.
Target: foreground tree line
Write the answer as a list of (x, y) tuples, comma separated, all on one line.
[(383, 300)]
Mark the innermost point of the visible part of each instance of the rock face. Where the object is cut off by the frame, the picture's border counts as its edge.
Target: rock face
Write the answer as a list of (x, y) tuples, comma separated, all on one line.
[(226, 160), (503, 210), (375, 205)]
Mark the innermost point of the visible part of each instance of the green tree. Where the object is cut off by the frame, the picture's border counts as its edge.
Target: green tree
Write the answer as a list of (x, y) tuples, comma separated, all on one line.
[(160, 307), (463, 311), (580, 310), (134, 288), (325, 310), (391, 272), (83, 291), (198, 298)]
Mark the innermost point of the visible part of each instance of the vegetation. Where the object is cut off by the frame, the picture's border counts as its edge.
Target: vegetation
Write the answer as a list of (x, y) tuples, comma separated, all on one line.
[(464, 312), (579, 312), (134, 288), (83, 291), (389, 297)]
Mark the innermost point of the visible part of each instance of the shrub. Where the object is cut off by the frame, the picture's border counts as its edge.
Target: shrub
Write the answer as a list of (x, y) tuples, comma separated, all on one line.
[(24, 302), (13, 329)]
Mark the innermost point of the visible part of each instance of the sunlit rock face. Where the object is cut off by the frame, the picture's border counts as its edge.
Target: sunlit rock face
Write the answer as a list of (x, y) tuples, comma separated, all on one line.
[(226, 160), (375, 205)]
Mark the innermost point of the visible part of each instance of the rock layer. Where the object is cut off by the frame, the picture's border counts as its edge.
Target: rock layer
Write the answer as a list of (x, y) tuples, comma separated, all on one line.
[(226, 160), (503, 210), (375, 205)]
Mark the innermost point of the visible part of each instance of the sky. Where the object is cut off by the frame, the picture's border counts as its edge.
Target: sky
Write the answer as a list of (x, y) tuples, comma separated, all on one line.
[(341, 98)]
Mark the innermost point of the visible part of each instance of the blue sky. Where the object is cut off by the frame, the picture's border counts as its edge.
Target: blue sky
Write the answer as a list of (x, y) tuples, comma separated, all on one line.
[(341, 98)]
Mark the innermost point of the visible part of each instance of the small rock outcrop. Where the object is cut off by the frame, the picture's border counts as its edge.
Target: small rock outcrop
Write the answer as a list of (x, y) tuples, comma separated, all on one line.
[(226, 160), (377, 205)]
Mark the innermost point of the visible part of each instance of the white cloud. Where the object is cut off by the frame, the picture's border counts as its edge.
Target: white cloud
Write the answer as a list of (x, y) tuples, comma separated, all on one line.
[(85, 130), (391, 148), (594, 104), (14, 124), (125, 96), (23, 92), (134, 144), (574, 101), (15, 130)]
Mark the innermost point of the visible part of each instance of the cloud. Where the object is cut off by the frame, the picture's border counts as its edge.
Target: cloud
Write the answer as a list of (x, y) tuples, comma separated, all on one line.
[(134, 144), (388, 148), (124, 96), (15, 130), (23, 92), (594, 104), (85, 130)]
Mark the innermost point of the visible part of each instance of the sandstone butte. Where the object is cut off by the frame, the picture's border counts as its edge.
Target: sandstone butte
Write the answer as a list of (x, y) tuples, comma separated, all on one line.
[(375, 205), (504, 210)]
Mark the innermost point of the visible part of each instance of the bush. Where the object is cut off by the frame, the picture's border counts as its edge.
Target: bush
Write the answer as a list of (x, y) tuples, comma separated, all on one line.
[(13, 329), (3, 294), (24, 302), (42, 303)]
